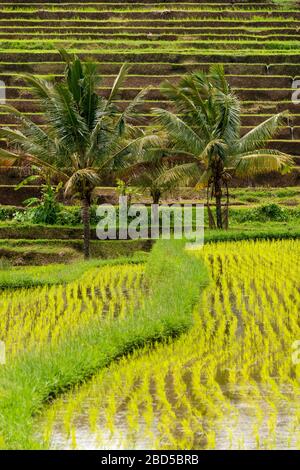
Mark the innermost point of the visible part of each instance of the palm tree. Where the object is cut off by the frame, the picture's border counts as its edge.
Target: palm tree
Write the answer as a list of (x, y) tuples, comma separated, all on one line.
[(150, 181), (148, 169), (206, 134), (85, 136)]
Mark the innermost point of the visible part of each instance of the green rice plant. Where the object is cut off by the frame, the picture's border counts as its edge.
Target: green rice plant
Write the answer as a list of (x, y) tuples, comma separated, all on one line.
[(229, 382), (94, 343)]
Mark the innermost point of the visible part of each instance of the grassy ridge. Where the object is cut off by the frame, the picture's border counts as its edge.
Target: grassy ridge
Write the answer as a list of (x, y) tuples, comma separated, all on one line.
[(34, 276), (133, 250), (168, 313)]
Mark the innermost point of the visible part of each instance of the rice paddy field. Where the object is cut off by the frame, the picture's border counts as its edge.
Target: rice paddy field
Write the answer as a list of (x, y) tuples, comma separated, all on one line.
[(155, 347), (32, 317), (228, 383)]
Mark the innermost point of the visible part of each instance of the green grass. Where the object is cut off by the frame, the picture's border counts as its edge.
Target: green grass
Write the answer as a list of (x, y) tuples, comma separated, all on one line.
[(44, 251), (170, 272), (143, 46), (148, 7), (131, 250), (33, 276), (275, 231)]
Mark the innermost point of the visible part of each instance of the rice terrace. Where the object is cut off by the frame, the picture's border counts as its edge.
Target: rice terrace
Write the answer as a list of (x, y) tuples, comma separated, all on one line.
[(150, 227)]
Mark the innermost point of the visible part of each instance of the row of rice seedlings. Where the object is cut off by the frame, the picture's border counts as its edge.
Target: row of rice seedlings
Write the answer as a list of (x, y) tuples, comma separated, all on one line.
[(136, 6), (144, 44), (31, 317), (228, 383)]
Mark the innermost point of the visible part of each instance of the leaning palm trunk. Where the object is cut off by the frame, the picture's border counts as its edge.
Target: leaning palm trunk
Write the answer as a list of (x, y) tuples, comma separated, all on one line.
[(155, 194), (86, 227), (216, 184), (218, 197)]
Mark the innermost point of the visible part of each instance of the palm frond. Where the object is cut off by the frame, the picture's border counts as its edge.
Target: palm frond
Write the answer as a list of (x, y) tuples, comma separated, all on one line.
[(228, 112), (82, 182), (263, 162), (260, 135), (212, 148), (184, 173), (7, 155), (189, 97), (69, 125), (203, 180), (41, 89), (89, 98), (134, 148), (74, 75), (118, 83), (183, 136), (130, 111), (13, 136), (217, 75)]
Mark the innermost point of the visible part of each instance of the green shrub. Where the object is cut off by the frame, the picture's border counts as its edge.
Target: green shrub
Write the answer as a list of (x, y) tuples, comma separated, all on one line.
[(70, 216), (272, 212), (264, 213), (8, 212), (48, 209)]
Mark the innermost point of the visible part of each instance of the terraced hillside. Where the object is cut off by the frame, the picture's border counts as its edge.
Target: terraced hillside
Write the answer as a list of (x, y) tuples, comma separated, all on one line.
[(258, 41)]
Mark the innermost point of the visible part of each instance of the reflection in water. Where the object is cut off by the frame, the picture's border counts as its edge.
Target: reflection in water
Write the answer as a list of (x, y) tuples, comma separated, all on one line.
[(248, 425)]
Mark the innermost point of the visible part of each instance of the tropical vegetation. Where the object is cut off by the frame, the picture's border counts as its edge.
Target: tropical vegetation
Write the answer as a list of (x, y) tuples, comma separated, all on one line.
[(206, 133), (85, 137)]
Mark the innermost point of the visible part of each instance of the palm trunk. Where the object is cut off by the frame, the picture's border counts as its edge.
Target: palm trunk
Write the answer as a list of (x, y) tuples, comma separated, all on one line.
[(86, 228), (218, 194), (155, 196)]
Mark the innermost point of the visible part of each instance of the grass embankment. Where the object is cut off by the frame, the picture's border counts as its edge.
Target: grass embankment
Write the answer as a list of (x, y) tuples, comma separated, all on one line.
[(175, 281), (33, 276), (273, 232), (28, 252)]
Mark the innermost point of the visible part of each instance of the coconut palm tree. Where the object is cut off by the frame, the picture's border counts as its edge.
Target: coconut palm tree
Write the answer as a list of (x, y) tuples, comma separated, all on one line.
[(85, 136), (150, 181), (148, 168), (206, 133)]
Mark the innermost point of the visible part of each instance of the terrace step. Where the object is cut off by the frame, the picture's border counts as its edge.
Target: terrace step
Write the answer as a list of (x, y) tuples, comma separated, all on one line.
[(128, 93), (152, 14), (161, 68), (257, 41), (285, 133), (57, 2), (248, 107), (141, 81), (64, 35), (179, 23), (104, 4), (269, 58)]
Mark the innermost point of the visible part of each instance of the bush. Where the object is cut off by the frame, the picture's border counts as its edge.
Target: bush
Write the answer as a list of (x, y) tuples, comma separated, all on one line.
[(69, 216), (8, 212), (272, 212), (265, 213), (47, 211)]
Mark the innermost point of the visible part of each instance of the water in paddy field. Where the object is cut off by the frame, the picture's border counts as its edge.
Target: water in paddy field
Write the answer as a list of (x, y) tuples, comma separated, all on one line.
[(240, 429), (229, 383)]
